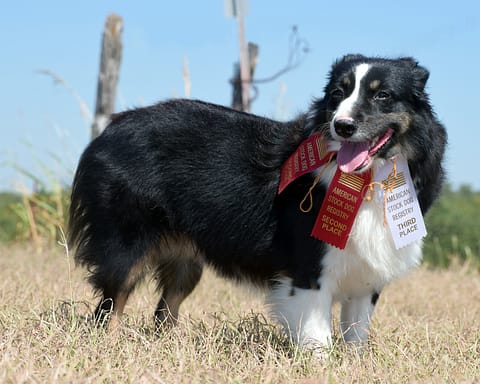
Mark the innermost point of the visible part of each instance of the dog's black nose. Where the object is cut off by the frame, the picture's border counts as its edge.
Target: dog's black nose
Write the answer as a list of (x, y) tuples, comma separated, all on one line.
[(345, 127)]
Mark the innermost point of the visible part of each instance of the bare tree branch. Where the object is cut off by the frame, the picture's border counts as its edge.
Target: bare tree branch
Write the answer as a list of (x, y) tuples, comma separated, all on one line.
[(297, 51)]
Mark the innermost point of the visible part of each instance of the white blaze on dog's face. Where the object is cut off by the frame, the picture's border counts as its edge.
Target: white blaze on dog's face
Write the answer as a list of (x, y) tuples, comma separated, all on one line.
[(344, 110)]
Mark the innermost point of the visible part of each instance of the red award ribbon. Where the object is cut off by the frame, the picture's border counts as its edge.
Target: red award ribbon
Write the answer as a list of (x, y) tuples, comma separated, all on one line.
[(310, 155), (339, 208)]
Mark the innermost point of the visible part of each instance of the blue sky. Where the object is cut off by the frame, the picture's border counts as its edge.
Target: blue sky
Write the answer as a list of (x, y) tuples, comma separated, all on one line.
[(44, 130)]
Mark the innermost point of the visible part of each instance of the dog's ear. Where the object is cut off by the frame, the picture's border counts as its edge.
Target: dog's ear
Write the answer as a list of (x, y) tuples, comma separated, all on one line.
[(420, 74)]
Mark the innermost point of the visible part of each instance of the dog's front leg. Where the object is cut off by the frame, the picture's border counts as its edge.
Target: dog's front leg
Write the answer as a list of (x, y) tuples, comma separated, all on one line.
[(304, 313), (355, 318)]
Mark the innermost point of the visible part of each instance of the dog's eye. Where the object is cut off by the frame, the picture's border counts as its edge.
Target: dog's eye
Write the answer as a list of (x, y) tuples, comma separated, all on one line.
[(336, 94), (382, 95)]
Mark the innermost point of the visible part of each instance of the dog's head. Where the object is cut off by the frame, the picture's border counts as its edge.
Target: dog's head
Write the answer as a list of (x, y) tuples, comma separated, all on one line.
[(368, 108)]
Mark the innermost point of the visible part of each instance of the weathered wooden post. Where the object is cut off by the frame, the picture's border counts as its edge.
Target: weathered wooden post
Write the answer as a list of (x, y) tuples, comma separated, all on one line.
[(110, 58), (243, 70), (238, 95)]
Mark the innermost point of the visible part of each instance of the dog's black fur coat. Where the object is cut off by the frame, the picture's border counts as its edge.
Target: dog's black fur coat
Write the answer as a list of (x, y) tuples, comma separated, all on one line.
[(192, 170), (184, 167)]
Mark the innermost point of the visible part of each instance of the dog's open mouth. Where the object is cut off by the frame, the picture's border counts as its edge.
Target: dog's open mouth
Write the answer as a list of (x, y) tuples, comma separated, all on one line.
[(353, 156)]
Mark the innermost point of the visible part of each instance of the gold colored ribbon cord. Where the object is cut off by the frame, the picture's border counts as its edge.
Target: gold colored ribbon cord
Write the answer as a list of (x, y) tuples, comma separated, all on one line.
[(387, 186), (309, 194)]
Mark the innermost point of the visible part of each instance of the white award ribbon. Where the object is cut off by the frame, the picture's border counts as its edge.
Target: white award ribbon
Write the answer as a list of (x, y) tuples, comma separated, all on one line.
[(402, 210)]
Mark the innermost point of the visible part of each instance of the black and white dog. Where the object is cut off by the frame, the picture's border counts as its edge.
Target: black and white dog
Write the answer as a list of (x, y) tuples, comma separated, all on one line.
[(181, 184)]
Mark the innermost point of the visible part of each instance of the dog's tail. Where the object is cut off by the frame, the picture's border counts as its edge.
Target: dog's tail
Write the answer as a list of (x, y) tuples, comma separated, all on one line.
[(77, 219), (81, 214)]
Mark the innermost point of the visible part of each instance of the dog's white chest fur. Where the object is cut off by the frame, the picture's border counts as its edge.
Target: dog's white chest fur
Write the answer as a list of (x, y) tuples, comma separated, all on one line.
[(370, 259)]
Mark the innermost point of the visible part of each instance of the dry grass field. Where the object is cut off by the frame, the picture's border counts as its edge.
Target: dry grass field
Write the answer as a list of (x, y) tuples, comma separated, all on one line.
[(426, 330)]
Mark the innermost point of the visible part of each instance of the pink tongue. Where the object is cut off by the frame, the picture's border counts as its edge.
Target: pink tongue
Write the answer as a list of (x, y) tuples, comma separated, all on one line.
[(352, 155)]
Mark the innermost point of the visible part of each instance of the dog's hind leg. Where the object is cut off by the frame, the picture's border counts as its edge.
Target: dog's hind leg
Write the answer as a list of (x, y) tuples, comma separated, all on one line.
[(110, 310), (116, 282), (177, 280), (179, 270)]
